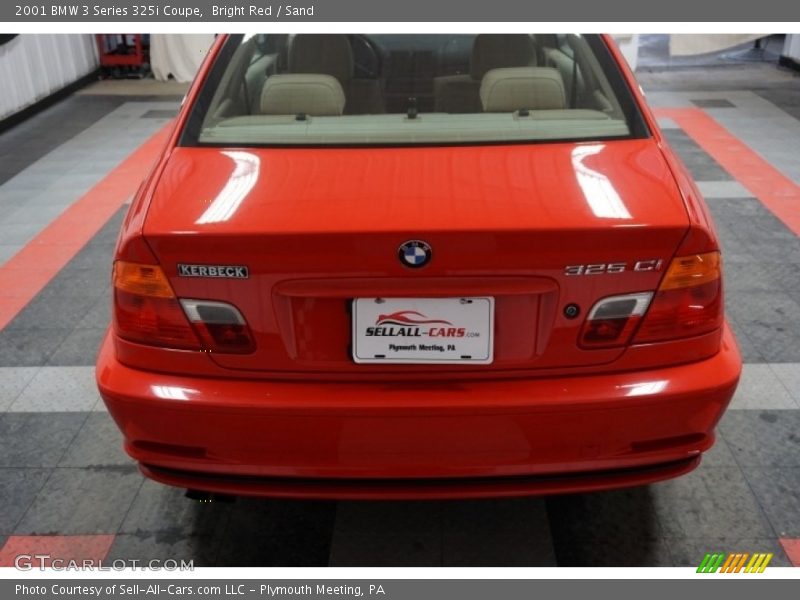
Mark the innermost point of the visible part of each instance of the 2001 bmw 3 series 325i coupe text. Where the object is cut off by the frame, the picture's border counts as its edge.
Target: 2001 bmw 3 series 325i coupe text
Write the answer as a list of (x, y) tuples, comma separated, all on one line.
[(386, 266)]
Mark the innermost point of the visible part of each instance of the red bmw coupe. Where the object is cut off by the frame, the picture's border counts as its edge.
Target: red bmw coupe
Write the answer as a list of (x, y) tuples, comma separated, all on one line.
[(394, 266)]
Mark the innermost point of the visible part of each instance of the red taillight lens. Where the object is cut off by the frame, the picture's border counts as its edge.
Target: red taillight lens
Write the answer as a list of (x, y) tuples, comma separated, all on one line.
[(688, 301), (146, 310), (612, 321)]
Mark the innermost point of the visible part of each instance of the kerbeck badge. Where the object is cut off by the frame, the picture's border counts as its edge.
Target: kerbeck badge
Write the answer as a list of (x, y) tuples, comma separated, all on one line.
[(218, 271)]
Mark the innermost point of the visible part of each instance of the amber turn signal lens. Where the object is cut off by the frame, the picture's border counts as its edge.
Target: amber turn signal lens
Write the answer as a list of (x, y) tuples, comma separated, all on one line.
[(688, 271), (142, 280), (689, 301)]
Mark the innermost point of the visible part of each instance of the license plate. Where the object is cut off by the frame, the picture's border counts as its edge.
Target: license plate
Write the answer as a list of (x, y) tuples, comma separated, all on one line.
[(423, 330)]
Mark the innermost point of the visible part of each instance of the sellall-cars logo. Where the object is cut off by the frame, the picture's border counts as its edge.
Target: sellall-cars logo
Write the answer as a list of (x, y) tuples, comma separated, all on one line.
[(410, 324)]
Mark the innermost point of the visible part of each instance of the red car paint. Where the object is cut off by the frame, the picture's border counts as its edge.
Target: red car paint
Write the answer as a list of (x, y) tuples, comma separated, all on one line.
[(319, 227)]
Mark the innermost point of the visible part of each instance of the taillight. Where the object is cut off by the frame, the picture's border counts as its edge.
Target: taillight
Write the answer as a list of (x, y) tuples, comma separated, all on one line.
[(612, 321), (220, 325), (146, 311), (688, 301)]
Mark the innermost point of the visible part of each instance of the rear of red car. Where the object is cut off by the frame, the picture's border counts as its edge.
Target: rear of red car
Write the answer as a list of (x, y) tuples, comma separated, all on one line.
[(347, 281)]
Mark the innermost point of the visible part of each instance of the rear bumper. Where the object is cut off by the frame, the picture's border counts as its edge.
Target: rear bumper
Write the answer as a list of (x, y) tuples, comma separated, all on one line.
[(414, 439)]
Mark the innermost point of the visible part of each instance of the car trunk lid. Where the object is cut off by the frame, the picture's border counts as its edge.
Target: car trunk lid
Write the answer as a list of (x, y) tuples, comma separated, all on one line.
[(536, 227)]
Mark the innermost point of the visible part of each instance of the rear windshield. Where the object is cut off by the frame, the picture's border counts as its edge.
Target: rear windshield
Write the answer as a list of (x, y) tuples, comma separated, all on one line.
[(405, 89)]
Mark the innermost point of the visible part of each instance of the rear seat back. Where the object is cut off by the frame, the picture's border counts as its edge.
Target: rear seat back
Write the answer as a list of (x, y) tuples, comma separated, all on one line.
[(461, 93), (331, 54), (522, 88), (307, 94)]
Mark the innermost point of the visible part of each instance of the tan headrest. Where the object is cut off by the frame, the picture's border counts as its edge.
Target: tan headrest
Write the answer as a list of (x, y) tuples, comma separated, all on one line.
[(329, 54), (532, 88), (293, 94), (498, 50)]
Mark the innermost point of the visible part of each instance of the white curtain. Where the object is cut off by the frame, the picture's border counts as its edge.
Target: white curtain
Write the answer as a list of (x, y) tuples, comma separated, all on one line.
[(34, 66), (178, 55)]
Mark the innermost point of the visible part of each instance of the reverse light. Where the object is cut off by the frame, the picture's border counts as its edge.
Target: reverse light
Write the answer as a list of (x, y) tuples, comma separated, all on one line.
[(220, 325), (688, 301), (612, 320)]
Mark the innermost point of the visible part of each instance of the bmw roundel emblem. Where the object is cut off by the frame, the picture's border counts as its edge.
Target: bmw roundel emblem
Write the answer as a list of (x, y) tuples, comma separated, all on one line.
[(415, 253)]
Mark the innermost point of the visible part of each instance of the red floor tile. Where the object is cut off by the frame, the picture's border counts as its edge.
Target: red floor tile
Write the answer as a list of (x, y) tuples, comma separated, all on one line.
[(792, 549), (64, 547), (775, 191), (46, 254)]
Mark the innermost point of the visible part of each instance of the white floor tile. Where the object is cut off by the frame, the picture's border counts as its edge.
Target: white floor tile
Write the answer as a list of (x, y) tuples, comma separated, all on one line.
[(58, 389), (760, 389)]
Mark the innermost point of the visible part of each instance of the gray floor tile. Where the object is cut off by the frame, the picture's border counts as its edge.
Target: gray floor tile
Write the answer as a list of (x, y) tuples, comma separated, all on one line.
[(789, 375), (201, 551), (697, 160), (7, 251), (778, 493), (82, 283), (667, 123), (619, 515), (502, 533), (394, 549), (689, 552), (720, 454), (36, 439), (712, 103), (760, 389), (722, 189), (80, 348), (32, 216), (710, 502), (46, 312), (94, 255), (29, 347), (615, 528), (97, 444), (748, 349), (746, 277), (59, 389), (159, 114), (375, 534), (163, 510), (99, 315), (55, 126), (766, 306), (82, 501), (278, 533), (763, 438), (18, 234), (774, 341), (12, 381), (611, 553), (786, 99), (385, 517), (18, 488)]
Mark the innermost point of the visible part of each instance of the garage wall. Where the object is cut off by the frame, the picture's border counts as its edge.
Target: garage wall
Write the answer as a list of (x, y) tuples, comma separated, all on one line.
[(791, 47), (34, 66), (629, 46)]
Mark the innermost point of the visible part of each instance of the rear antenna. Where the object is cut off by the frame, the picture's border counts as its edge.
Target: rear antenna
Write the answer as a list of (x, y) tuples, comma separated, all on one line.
[(411, 111)]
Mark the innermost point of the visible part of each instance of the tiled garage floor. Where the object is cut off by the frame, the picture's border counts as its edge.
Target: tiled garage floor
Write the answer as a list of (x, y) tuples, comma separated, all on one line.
[(66, 486)]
